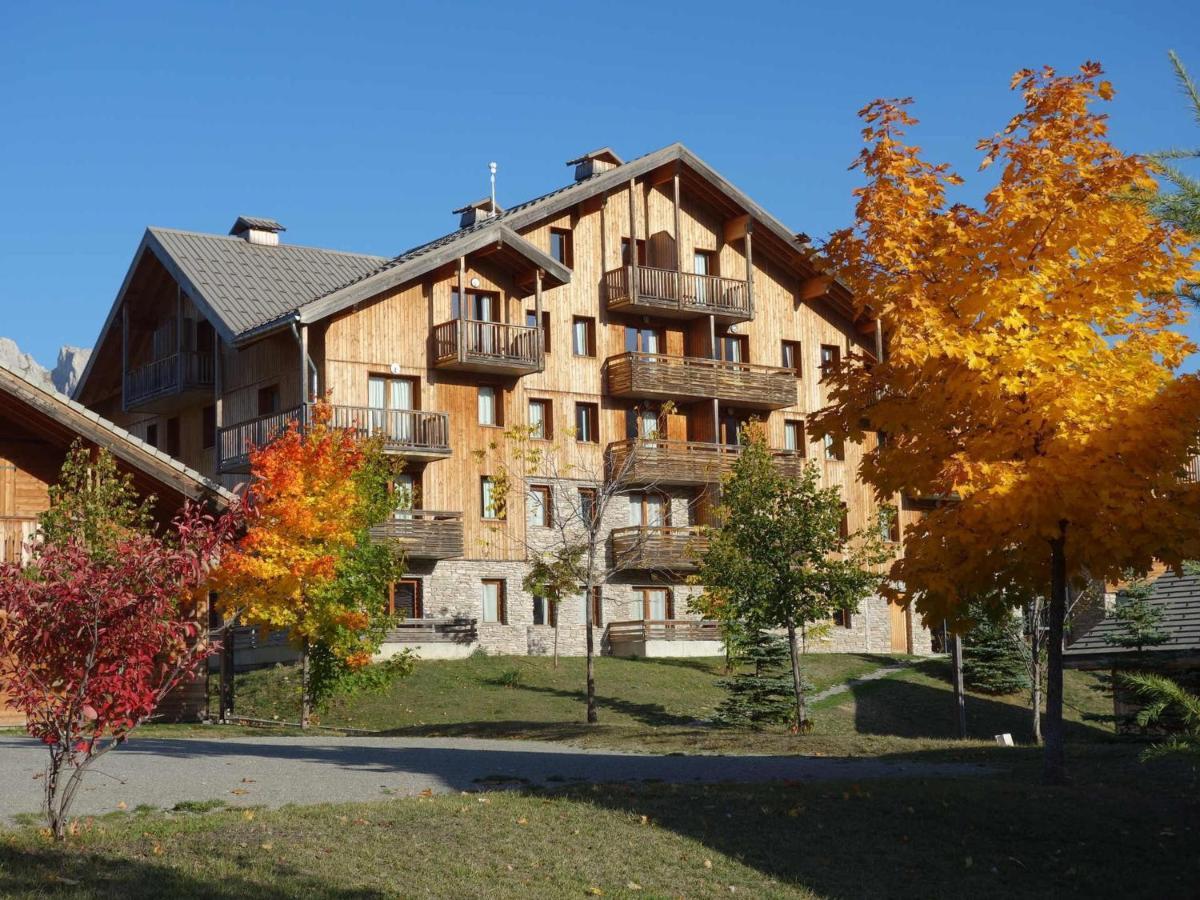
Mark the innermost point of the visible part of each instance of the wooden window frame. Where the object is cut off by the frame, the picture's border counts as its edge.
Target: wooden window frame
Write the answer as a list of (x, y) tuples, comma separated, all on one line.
[(545, 326), (596, 599), (590, 335), (741, 339), (835, 360), (666, 506), (270, 400), (498, 515), (797, 357), (497, 405), (418, 597), (547, 500), (549, 611), (593, 419), (835, 449), (843, 619), (501, 601), (802, 441), (641, 251), (643, 591), (547, 406), (387, 378), (588, 498), (567, 243), (844, 524)]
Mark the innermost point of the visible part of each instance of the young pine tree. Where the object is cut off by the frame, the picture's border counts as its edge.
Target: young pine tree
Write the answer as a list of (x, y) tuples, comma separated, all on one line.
[(762, 692), (993, 660), (1138, 618)]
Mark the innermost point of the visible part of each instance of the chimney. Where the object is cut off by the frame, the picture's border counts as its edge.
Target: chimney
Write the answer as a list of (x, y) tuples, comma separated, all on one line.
[(257, 231), (477, 212), (594, 163)]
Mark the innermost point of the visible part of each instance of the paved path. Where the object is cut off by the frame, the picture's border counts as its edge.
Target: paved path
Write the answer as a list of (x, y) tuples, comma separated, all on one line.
[(873, 675), (273, 771)]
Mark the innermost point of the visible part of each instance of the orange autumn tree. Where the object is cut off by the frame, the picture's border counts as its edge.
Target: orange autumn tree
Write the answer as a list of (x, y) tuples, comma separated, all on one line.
[(306, 563), (1030, 373)]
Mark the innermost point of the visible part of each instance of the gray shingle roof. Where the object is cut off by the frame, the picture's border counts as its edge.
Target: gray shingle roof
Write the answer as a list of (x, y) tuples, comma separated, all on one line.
[(247, 285), (1179, 599)]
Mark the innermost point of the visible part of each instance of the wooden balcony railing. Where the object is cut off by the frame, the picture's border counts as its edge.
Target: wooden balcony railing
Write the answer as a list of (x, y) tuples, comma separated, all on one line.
[(651, 461), (659, 377), (663, 630), (658, 547), (423, 534), (175, 374), (234, 441), (665, 292), (472, 346), (1192, 472), (434, 631), (15, 534), (413, 433)]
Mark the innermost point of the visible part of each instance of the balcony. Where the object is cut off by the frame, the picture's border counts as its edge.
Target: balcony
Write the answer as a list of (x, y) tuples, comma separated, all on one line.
[(658, 547), (423, 534), (411, 433), (676, 295), (465, 345), (688, 379), (449, 638), (164, 384), (648, 461), (665, 638)]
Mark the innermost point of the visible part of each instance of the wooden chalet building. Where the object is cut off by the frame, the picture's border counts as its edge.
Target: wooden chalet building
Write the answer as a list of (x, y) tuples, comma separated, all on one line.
[(37, 427), (580, 312)]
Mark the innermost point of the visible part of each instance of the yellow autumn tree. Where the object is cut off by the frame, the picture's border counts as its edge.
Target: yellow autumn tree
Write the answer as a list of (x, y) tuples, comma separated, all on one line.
[(1030, 374)]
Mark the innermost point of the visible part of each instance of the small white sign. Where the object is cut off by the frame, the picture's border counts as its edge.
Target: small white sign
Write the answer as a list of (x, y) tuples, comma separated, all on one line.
[(1004, 740)]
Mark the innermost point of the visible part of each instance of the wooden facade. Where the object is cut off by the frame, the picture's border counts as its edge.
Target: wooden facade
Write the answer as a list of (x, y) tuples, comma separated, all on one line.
[(679, 305)]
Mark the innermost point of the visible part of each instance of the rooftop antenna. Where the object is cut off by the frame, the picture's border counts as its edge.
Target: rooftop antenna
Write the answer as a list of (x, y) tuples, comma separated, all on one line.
[(492, 170)]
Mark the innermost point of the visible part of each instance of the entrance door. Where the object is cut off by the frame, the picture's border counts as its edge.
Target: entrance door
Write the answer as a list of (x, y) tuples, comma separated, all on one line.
[(643, 340), (405, 488), (899, 622), (385, 395), (702, 264), (405, 599), (656, 604)]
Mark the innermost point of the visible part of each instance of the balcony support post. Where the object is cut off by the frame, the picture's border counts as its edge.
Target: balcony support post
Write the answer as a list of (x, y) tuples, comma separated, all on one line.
[(178, 338), (537, 320), (633, 243), (749, 268), (678, 240), (462, 306), (124, 353)]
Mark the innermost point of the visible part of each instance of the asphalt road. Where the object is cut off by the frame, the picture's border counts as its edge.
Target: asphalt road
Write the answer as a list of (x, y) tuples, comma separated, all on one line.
[(274, 771)]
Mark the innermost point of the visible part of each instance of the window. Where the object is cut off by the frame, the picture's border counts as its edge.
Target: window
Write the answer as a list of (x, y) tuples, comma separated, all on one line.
[(587, 505), (649, 510), (835, 449), (494, 601), (842, 618), (733, 348), (405, 491), (641, 252), (560, 246), (597, 602), (173, 436), (531, 321), (152, 434), (587, 423), (268, 400), (793, 436), (491, 405), (889, 528), (791, 356), (537, 506), (643, 340), (208, 427), (657, 603), (385, 392), (831, 357), (642, 422), (481, 307), (404, 598), (490, 506), (844, 524), (583, 336), (544, 612), (541, 422)]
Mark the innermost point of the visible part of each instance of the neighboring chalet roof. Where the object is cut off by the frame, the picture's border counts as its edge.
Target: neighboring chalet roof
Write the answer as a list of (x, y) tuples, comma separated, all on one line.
[(1178, 597), (59, 419)]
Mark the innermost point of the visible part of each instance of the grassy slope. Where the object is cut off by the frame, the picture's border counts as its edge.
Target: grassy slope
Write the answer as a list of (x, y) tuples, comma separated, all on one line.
[(655, 705), (1120, 830)]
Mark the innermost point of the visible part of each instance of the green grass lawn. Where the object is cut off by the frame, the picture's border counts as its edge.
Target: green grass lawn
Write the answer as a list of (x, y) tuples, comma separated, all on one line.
[(1120, 830), (663, 704)]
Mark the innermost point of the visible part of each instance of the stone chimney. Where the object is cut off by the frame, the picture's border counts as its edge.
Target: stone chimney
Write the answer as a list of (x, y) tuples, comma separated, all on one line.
[(257, 231), (594, 163)]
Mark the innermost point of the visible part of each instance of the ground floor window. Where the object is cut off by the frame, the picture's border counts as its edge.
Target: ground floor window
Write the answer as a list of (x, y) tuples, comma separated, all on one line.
[(658, 603), (493, 600), (544, 612), (404, 598), (842, 618)]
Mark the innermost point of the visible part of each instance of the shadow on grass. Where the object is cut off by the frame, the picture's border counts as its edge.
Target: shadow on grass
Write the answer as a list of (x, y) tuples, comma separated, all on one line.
[(646, 713), (53, 872)]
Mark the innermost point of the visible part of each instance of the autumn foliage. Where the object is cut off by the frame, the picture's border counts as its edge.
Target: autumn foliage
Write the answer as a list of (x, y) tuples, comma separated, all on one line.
[(305, 564), (90, 644), (1029, 388)]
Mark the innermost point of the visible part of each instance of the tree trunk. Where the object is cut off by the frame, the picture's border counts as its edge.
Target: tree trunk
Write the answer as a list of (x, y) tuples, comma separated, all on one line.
[(305, 693), (960, 692), (801, 723), (591, 657), (1054, 768), (1035, 647), (555, 608)]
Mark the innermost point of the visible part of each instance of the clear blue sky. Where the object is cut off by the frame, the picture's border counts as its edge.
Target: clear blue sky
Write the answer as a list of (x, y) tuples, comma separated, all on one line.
[(361, 125)]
